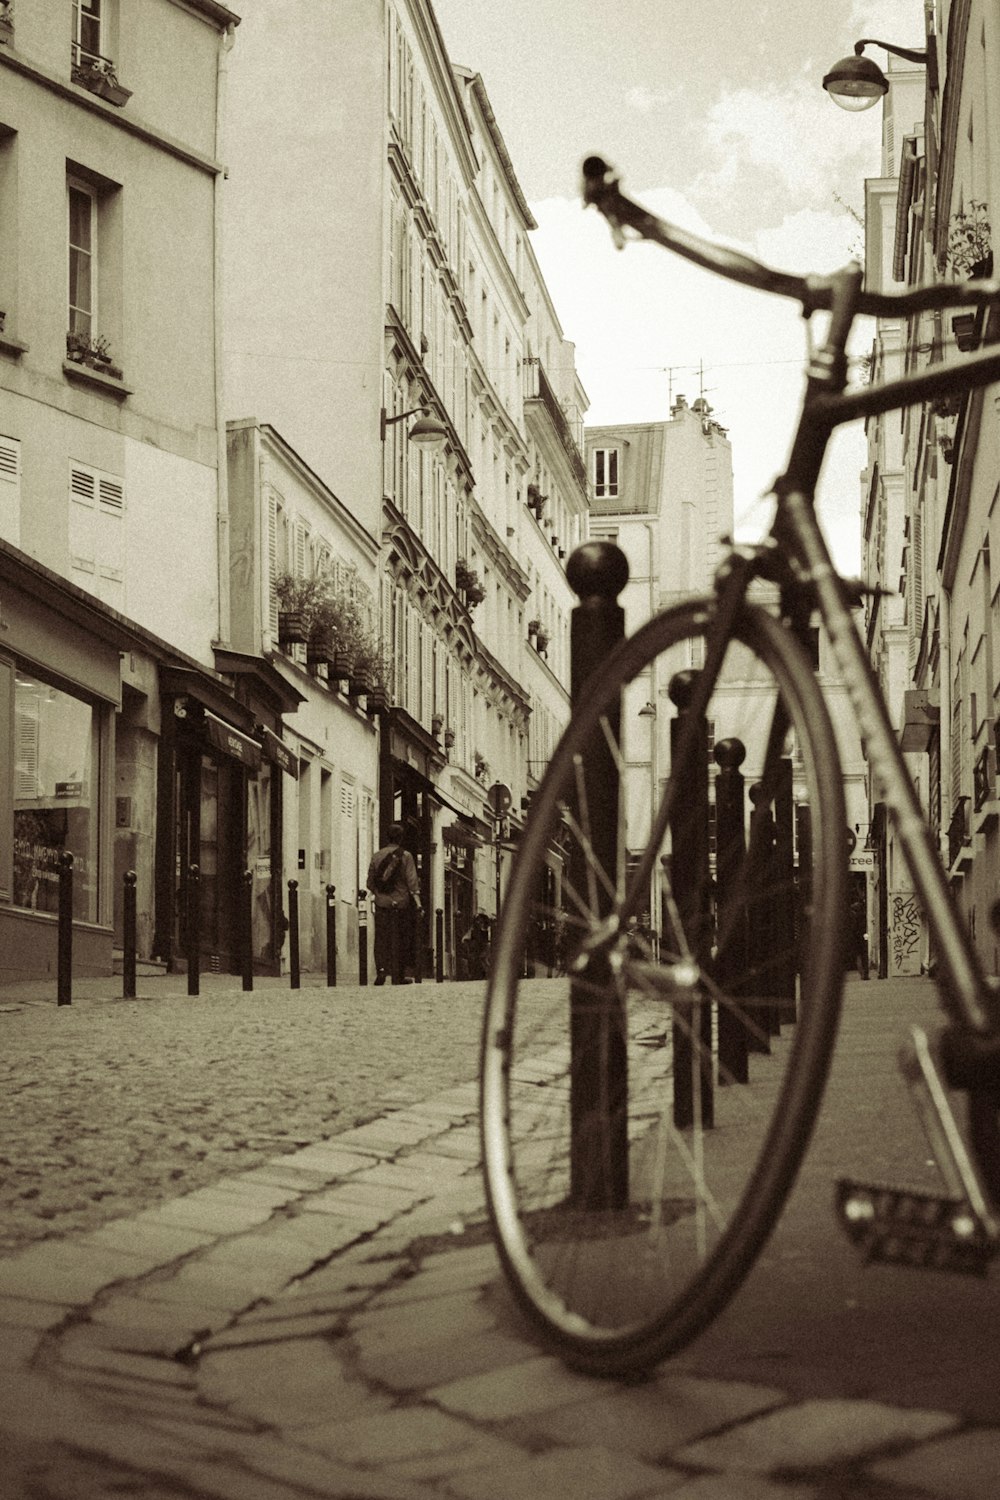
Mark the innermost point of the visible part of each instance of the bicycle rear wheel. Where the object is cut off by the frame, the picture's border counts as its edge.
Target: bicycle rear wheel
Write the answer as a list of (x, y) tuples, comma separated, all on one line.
[(631, 1178)]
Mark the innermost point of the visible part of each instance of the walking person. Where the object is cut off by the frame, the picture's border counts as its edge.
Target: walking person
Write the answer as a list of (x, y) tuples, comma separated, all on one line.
[(395, 890), (859, 935)]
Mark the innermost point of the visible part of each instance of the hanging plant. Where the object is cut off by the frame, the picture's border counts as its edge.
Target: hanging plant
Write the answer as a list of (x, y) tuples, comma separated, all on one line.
[(970, 252)]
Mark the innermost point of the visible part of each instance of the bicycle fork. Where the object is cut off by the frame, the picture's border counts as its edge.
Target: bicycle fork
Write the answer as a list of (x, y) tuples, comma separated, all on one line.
[(956, 1230)]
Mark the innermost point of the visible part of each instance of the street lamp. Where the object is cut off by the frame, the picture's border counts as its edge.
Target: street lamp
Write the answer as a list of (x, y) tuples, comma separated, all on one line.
[(428, 432), (857, 83)]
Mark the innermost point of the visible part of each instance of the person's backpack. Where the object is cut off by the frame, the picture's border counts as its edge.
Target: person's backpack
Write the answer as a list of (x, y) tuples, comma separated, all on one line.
[(385, 875)]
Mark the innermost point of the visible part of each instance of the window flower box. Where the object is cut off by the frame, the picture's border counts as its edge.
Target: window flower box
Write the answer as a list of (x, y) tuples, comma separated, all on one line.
[(292, 627), (81, 349), (98, 75)]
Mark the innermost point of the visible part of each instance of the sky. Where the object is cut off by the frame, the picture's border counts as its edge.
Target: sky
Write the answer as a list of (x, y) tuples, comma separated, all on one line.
[(715, 116)]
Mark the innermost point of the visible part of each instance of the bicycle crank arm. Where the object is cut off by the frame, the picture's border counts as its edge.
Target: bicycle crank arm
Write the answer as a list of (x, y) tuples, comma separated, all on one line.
[(955, 1231)]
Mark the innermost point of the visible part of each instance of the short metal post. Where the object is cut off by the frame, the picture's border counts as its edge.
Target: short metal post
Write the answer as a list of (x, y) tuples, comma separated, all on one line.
[(690, 882), (194, 930), (439, 944), (331, 935), (760, 979), (730, 879), (64, 934), (362, 937), (597, 572), (128, 935), (293, 934), (783, 883), (246, 929)]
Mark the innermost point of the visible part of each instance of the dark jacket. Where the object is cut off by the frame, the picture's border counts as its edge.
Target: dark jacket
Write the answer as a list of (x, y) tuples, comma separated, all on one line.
[(404, 886)]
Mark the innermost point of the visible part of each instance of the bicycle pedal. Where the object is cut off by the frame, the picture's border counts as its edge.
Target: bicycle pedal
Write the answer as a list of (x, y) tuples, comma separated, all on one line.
[(911, 1227)]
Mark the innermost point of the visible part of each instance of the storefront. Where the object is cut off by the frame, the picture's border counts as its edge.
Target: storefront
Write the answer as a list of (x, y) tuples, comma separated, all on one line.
[(59, 690), (219, 814)]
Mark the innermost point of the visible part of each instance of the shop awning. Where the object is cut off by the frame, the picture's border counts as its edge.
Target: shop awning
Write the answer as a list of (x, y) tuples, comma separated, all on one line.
[(232, 742), (461, 833), (276, 751)]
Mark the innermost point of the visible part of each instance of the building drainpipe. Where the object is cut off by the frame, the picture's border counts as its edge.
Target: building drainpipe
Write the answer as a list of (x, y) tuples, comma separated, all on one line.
[(226, 41)]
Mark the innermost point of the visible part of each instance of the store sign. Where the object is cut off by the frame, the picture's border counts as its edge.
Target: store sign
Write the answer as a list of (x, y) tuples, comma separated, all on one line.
[(862, 861), (277, 751), (69, 788), (231, 742)]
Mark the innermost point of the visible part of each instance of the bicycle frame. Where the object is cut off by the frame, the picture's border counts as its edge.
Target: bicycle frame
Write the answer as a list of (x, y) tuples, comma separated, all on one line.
[(967, 998)]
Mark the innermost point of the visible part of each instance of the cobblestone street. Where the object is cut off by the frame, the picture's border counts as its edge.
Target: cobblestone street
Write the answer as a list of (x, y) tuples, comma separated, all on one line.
[(109, 1106)]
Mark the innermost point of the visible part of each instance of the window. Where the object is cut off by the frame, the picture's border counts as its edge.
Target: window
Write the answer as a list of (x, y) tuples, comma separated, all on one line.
[(605, 473), (82, 259), (56, 765), (87, 27)]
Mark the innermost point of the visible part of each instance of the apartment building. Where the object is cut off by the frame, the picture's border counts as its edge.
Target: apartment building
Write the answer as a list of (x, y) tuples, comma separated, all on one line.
[(127, 744), (381, 291), (942, 164)]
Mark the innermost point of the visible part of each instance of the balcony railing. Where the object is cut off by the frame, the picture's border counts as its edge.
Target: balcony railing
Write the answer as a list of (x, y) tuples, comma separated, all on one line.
[(984, 776), (537, 387)]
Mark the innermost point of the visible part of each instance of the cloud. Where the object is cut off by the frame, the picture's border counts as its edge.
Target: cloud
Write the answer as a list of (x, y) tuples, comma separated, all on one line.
[(644, 100)]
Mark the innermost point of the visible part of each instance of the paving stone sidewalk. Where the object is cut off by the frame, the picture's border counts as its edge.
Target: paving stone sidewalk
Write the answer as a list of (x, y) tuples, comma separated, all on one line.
[(332, 1323)]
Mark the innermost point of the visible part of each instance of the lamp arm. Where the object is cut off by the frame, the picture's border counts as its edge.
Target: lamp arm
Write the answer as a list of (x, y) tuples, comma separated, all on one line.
[(907, 52)]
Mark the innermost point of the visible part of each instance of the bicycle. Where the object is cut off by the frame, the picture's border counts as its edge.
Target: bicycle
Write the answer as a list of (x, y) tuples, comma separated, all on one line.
[(643, 1118)]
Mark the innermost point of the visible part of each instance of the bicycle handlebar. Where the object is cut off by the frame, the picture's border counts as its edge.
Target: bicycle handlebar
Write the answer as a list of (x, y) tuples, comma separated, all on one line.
[(600, 188)]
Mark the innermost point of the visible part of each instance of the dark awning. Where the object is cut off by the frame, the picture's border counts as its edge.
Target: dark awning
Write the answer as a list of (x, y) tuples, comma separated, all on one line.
[(232, 742), (277, 751)]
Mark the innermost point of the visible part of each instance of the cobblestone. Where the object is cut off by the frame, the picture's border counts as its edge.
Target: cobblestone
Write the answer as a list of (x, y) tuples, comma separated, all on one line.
[(110, 1106)]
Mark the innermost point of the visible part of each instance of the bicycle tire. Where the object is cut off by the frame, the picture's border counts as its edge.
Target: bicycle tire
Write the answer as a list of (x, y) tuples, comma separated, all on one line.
[(629, 1310)]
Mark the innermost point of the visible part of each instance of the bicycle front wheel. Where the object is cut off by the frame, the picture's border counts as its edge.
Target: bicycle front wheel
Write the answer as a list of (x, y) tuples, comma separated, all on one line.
[(661, 1010)]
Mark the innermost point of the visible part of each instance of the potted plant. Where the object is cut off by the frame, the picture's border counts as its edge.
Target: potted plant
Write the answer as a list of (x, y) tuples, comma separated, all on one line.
[(296, 597), (970, 252), (536, 501), (474, 593), (449, 738), (98, 75), (6, 21), (534, 626), (482, 767), (541, 642), (463, 575)]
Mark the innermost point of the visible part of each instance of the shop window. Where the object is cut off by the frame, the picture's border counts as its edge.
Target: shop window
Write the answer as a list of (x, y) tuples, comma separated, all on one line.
[(56, 768)]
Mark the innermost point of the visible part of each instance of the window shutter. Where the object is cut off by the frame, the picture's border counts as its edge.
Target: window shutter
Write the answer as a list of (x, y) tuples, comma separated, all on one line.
[(272, 565), (10, 490), (83, 520), (26, 788)]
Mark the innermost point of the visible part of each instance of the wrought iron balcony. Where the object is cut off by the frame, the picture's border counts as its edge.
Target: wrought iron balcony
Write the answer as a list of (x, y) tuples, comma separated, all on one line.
[(958, 830), (537, 388)]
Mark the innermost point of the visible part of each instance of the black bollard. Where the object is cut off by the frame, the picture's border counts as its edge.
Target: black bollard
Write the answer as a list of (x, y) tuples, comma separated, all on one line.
[(64, 933), (246, 930), (362, 937), (331, 935), (194, 930), (439, 944), (597, 572), (730, 859), (128, 935), (783, 885), (293, 935), (760, 970), (690, 881)]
